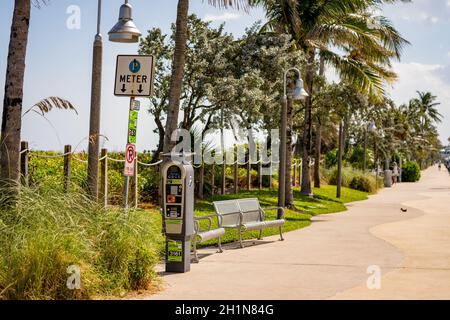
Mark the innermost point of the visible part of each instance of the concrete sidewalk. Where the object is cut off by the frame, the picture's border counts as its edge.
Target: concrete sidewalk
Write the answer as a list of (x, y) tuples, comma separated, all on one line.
[(330, 258)]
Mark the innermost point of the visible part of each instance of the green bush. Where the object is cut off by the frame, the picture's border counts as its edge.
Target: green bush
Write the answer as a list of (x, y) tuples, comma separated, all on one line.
[(363, 183), (331, 159), (410, 172), (354, 179), (50, 231)]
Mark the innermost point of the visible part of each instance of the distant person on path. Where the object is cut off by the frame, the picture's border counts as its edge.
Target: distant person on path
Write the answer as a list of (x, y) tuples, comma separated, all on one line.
[(395, 173), (439, 165)]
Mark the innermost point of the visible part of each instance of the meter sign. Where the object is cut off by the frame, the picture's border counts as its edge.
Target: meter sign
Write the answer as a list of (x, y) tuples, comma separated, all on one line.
[(130, 157)]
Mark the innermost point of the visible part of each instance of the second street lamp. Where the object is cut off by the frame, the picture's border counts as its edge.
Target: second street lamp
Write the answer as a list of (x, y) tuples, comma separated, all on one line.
[(125, 32), (299, 93)]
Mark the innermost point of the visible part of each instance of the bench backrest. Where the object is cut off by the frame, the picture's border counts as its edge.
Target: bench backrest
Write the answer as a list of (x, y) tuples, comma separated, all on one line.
[(250, 209), (232, 208)]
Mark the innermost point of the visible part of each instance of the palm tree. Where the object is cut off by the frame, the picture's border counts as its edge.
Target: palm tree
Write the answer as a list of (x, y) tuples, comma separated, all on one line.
[(179, 58), (425, 106), (12, 103), (358, 45)]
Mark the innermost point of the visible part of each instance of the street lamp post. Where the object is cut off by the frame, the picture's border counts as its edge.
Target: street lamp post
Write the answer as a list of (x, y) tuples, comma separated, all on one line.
[(367, 129), (124, 31), (94, 124), (298, 94)]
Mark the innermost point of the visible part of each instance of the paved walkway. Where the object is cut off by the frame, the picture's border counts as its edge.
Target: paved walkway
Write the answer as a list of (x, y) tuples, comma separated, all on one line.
[(329, 259)]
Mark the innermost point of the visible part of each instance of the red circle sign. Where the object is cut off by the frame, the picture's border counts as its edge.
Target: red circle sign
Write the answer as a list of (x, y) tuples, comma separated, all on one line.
[(130, 154)]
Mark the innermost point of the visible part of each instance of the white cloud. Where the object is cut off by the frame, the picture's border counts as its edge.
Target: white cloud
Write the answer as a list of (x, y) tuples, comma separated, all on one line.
[(226, 16), (424, 77)]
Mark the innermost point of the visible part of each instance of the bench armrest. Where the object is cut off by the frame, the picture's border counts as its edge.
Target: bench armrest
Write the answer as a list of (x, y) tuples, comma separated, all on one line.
[(241, 217), (197, 222)]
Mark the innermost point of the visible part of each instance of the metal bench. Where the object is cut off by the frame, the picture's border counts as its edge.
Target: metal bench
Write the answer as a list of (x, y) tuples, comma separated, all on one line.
[(246, 215), (201, 235)]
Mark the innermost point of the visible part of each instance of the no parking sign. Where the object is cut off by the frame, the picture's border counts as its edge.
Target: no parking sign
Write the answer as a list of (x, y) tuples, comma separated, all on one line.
[(130, 157)]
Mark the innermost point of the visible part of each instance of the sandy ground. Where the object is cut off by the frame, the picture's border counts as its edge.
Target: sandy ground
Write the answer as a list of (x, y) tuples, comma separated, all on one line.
[(333, 258)]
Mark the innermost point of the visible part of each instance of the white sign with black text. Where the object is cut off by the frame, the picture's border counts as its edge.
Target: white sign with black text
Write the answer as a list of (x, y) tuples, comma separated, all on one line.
[(134, 76)]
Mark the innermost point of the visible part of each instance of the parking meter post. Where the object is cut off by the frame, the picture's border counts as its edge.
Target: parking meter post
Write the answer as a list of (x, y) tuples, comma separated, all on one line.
[(178, 212)]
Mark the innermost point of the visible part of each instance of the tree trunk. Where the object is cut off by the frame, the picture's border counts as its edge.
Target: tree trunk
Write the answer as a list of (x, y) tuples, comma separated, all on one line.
[(289, 196), (306, 144), (12, 103), (318, 152), (179, 58), (318, 143), (339, 173)]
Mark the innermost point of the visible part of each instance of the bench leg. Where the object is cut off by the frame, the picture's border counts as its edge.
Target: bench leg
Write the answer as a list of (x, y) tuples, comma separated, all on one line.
[(240, 238), (260, 235), (281, 234), (220, 246), (194, 244)]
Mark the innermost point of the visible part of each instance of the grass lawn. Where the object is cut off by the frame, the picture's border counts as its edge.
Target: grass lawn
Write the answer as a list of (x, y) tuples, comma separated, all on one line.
[(324, 201)]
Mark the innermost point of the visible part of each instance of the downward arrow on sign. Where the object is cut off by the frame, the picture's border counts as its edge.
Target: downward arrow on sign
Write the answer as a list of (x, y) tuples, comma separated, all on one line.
[(123, 88), (140, 88)]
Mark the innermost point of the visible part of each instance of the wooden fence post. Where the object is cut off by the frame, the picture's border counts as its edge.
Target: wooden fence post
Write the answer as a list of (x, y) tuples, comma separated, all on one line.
[(249, 174), (300, 173), (260, 168), (67, 167), (160, 157), (224, 168), (294, 180), (213, 169), (24, 162), (270, 173), (104, 178), (236, 171), (201, 182)]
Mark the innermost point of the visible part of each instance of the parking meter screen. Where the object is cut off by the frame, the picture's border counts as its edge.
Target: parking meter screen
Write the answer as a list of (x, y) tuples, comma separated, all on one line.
[(174, 192)]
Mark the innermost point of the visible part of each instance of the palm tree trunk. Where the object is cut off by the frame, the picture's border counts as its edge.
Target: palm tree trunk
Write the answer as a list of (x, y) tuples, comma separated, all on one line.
[(318, 143), (289, 196), (318, 146), (306, 145), (12, 103), (179, 59)]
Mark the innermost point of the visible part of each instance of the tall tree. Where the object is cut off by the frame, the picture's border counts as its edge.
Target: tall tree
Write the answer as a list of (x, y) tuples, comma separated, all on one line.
[(179, 59), (350, 38), (12, 103), (176, 82)]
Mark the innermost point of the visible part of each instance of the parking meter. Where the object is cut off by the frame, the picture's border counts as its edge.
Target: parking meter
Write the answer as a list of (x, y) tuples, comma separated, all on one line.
[(178, 214)]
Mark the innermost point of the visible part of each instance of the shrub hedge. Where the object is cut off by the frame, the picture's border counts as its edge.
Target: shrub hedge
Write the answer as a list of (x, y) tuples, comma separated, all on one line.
[(410, 172)]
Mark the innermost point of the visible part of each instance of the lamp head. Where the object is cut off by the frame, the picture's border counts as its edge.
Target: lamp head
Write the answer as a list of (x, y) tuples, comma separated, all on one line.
[(125, 31), (299, 91)]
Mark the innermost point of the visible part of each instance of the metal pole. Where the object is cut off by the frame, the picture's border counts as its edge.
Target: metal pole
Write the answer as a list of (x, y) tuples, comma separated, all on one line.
[(282, 164), (94, 126), (126, 178), (222, 142), (365, 151)]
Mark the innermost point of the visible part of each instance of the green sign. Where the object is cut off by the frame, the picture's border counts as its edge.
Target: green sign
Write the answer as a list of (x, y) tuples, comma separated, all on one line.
[(132, 126), (174, 181), (170, 221), (174, 251)]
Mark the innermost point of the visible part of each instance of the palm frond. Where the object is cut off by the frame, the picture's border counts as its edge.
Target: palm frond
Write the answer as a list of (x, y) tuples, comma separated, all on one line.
[(48, 104)]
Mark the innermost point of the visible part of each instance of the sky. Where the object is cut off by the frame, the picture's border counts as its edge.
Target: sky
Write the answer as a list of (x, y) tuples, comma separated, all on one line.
[(59, 63)]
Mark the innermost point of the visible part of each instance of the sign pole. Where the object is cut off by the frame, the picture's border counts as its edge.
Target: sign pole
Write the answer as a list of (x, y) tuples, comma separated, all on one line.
[(131, 139)]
